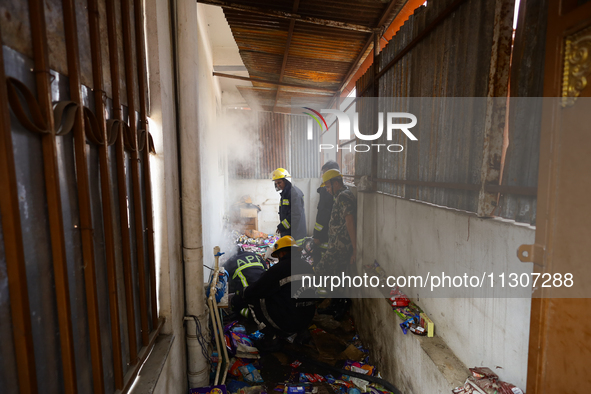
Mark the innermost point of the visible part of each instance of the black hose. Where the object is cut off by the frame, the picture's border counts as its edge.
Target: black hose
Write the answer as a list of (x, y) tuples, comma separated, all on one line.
[(336, 370)]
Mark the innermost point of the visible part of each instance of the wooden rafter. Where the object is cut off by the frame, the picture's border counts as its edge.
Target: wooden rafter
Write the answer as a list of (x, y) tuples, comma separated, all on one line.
[(296, 5)]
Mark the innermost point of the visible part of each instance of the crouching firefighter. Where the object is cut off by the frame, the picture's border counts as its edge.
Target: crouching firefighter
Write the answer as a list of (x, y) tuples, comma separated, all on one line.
[(292, 218), (244, 269), (280, 304)]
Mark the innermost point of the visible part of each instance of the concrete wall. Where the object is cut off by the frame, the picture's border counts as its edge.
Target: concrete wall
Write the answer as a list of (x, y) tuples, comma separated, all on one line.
[(213, 168), (405, 235), (263, 193), (165, 179)]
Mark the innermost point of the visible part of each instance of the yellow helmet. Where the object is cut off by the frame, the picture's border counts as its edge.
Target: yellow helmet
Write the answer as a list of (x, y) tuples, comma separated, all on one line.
[(279, 173), (330, 174), (284, 242)]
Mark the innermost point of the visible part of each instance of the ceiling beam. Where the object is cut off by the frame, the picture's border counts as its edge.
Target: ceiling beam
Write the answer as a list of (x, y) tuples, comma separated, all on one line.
[(296, 4), (288, 15), (290, 85)]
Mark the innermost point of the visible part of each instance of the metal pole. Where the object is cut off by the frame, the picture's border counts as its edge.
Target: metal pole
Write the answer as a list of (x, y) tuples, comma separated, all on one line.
[(121, 185), (54, 204), (97, 74), (83, 186), (14, 251), (142, 80), (135, 175)]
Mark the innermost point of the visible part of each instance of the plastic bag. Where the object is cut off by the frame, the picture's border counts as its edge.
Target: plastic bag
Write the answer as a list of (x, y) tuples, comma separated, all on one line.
[(251, 374)]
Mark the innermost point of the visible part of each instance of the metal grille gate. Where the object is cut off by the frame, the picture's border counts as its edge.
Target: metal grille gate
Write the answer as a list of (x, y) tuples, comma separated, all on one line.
[(78, 306)]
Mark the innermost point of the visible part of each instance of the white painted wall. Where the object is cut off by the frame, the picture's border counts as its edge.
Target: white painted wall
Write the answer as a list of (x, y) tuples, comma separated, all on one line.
[(263, 193), (211, 144), (406, 235), (165, 178)]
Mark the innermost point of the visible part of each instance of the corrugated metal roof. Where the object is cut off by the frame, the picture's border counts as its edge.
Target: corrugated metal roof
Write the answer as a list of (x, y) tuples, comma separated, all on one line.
[(317, 56)]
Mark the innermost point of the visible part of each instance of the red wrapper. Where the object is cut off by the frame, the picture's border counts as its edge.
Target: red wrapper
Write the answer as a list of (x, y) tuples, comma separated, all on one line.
[(508, 388), (295, 364), (484, 372)]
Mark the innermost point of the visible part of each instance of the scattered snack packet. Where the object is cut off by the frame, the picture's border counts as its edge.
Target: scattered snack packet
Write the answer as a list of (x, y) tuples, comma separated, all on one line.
[(234, 365), (251, 374), (484, 372), (294, 390), (295, 364)]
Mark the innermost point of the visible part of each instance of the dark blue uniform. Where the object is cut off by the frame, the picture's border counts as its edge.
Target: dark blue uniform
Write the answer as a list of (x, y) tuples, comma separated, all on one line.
[(279, 300), (244, 269), (292, 218)]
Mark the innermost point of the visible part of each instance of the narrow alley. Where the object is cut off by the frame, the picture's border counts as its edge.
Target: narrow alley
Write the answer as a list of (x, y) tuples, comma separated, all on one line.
[(295, 196)]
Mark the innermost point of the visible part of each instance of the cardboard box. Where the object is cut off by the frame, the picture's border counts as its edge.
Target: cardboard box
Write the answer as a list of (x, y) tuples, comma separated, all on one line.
[(427, 324), (249, 212)]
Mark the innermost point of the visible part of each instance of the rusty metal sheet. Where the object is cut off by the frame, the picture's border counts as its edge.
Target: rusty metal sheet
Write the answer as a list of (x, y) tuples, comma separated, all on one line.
[(104, 36), (286, 96), (318, 56), (122, 79), (15, 26), (454, 60), (84, 43), (305, 159), (56, 40), (527, 74), (134, 58), (287, 135), (364, 12)]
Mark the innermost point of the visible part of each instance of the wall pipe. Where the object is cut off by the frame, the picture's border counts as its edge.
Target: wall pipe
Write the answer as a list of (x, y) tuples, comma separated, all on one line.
[(186, 38)]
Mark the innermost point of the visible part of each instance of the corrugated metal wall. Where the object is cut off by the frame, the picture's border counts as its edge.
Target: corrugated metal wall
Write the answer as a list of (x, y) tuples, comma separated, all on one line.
[(121, 263), (527, 81), (282, 141), (459, 58), (305, 154)]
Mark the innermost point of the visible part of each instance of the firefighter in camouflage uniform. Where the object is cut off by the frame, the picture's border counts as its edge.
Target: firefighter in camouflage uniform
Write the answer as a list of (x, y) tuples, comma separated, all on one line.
[(325, 201), (342, 236)]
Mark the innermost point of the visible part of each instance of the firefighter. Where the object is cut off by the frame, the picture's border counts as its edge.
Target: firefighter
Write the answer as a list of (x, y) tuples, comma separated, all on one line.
[(292, 218), (244, 269), (280, 304), (342, 237), (325, 202)]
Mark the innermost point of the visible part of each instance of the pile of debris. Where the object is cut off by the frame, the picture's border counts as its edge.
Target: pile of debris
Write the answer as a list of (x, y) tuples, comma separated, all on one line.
[(334, 361), (253, 241)]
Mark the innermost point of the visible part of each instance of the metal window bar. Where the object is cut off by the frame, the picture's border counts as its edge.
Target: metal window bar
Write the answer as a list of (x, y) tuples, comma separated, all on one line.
[(14, 250), (80, 197), (54, 206)]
